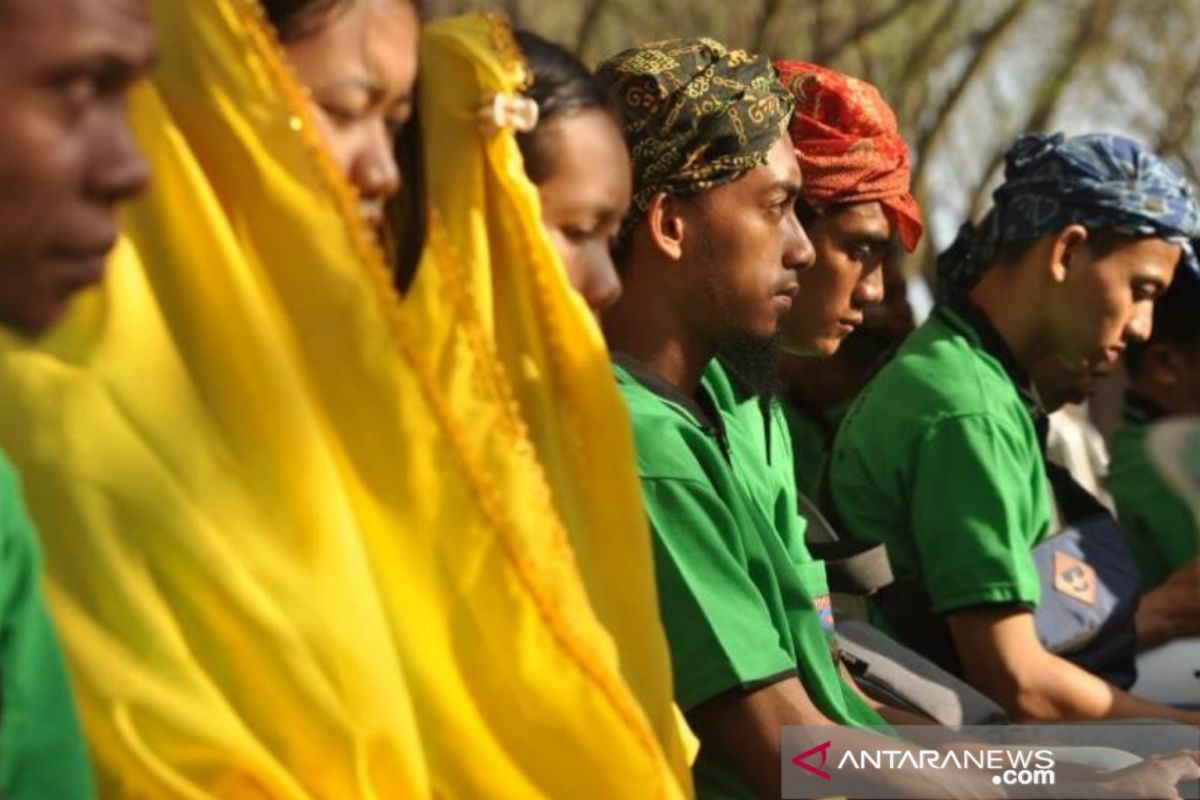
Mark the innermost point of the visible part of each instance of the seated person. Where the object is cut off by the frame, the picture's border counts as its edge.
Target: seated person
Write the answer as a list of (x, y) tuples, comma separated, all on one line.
[(576, 156), (817, 391), (62, 177), (709, 256), (940, 457), (1169, 609), (1160, 528), (855, 204)]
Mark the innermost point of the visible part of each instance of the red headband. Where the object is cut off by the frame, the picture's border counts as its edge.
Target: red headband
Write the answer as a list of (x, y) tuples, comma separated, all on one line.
[(849, 145)]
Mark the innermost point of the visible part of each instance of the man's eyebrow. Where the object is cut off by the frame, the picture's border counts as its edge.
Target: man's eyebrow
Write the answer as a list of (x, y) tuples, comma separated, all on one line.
[(873, 236), (788, 187)]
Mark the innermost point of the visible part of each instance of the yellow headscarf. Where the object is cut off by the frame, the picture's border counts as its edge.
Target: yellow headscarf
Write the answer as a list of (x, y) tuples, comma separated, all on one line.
[(302, 539)]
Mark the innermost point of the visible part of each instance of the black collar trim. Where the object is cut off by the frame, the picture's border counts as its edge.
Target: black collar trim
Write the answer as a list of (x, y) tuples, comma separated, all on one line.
[(701, 406), (970, 320)]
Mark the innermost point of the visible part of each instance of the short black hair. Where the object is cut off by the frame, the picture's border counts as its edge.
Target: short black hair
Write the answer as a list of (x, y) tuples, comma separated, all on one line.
[(1176, 320), (297, 19), (562, 85)]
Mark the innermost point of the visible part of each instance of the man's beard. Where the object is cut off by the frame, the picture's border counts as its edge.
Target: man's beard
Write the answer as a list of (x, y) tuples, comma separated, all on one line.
[(754, 363)]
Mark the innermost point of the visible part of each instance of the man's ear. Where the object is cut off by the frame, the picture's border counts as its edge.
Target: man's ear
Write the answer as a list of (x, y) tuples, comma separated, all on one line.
[(1068, 249), (666, 226)]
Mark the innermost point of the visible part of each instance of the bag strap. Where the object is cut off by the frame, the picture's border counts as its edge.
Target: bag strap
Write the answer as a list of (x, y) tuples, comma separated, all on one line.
[(854, 567)]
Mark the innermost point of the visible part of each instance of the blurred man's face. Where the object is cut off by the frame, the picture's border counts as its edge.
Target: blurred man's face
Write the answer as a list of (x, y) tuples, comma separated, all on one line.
[(67, 154)]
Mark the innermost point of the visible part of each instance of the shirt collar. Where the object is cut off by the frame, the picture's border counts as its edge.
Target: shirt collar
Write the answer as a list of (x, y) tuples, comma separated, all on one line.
[(970, 320), (701, 406)]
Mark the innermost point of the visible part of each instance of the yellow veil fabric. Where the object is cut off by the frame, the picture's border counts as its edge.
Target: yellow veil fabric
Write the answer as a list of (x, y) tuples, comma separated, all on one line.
[(302, 539)]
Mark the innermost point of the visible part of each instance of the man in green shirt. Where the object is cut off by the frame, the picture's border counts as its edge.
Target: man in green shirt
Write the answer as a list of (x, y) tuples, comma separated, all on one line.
[(709, 256), (854, 203), (67, 158), (816, 392), (1164, 378), (940, 456)]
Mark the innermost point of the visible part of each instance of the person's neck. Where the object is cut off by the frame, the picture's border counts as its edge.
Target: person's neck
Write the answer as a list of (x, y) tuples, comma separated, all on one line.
[(1003, 295), (642, 326), (818, 384)]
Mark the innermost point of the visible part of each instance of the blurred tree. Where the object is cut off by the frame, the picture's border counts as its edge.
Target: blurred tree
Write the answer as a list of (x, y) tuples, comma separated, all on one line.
[(965, 76)]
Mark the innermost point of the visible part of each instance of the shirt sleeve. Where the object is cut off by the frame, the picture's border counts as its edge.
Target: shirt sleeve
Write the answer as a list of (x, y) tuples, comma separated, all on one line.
[(1167, 529), (41, 742), (718, 626), (978, 505)]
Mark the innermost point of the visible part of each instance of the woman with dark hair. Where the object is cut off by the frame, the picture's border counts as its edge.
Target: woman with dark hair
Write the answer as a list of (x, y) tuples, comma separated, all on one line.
[(358, 60), (577, 158)]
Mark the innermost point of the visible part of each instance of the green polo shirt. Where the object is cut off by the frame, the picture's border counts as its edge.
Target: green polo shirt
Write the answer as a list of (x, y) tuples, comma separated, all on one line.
[(1157, 523), (939, 459), (764, 455), (734, 606), (811, 434), (42, 751)]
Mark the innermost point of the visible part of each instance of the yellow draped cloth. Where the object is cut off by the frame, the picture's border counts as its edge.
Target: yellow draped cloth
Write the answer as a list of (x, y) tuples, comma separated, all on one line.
[(305, 539)]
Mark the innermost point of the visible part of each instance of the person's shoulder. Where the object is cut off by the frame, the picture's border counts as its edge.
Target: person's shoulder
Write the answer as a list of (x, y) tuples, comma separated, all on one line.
[(10, 482), (669, 442), (939, 372)]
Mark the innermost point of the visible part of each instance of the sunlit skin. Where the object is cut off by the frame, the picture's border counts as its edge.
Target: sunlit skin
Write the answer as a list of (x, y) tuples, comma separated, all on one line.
[(1095, 308), (710, 269), (851, 242), (584, 195), (820, 384), (67, 154), (360, 67), (748, 251)]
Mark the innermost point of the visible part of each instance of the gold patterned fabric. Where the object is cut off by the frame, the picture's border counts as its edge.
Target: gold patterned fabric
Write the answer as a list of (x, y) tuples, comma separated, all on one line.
[(302, 538), (696, 114)]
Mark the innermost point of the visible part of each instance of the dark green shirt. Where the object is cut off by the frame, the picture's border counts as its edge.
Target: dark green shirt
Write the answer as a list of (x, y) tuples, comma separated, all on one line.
[(42, 751), (766, 456), (1157, 523), (735, 608), (939, 459), (811, 433)]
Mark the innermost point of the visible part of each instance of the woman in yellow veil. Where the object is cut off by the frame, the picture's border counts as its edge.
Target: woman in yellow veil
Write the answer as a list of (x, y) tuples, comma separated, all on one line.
[(304, 539)]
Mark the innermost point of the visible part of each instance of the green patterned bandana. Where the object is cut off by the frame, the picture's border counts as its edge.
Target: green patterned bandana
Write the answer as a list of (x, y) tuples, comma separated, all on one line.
[(696, 115)]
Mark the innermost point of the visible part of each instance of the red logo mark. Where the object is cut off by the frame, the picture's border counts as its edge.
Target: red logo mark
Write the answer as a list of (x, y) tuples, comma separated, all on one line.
[(823, 749)]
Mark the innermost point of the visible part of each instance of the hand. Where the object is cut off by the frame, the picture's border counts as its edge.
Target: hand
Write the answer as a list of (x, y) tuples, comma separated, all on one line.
[(1157, 777)]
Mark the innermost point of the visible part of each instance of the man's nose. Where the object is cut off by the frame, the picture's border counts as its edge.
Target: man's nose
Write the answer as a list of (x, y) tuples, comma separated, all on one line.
[(870, 289), (1140, 326), (118, 169), (798, 251)]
